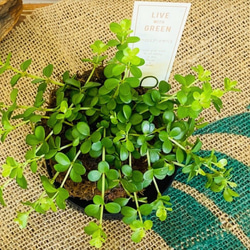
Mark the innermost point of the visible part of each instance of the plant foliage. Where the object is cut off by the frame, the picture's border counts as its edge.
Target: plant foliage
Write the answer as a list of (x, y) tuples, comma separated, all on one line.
[(115, 120)]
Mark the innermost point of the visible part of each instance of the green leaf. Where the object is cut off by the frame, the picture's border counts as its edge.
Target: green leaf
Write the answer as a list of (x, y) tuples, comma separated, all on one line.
[(24, 66), (123, 153), (40, 133), (155, 95), (32, 140), (73, 82), (180, 155), (94, 175), (113, 207), (227, 196), (61, 168), (149, 174), (121, 201), (15, 79), (62, 159), (118, 69), (111, 83), (146, 209), (47, 71), (147, 127), (115, 27), (92, 210), (107, 142), (133, 39), (167, 146), (135, 71), (197, 146), (138, 235), (21, 181), (103, 167), (137, 176), (127, 111), (129, 146), (168, 116), (180, 79), (128, 211), (85, 146), (112, 174), (1, 197), (91, 228), (74, 176), (133, 82), (47, 185), (164, 87), (22, 219), (96, 146), (83, 128), (182, 97), (127, 170), (136, 119), (79, 168), (175, 132), (98, 200)]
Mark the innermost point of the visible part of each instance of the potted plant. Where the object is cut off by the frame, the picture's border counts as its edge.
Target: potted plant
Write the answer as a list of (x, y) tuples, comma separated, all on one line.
[(105, 133)]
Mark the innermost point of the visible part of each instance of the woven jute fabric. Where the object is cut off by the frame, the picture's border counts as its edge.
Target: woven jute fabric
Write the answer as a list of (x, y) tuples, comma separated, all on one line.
[(216, 35)]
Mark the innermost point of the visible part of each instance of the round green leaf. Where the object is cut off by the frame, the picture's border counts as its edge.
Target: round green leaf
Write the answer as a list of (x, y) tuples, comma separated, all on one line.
[(96, 146), (103, 167), (111, 83), (127, 111), (62, 159), (146, 209), (79, 168), (92, 210), (98, 200), (75, 176), (83, 128), (127, 170), (94, 175), (149, 174), (168, 116), (164, 87), (113, 207), (85, 146), (61, 168), (40, 133), (167, 146), (112, 174), (136, 119), (123, 153), (180, 155)]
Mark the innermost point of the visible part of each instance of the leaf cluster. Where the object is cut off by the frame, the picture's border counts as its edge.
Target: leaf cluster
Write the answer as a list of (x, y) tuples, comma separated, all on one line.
[(117, 120)]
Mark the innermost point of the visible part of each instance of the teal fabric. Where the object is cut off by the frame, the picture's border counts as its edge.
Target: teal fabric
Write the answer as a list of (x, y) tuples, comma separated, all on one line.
[(193, 226)]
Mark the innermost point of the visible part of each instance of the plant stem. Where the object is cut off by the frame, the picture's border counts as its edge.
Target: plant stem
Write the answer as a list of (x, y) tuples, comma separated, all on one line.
[(103, 179), (137, 206), (71, 165), (25, 74)]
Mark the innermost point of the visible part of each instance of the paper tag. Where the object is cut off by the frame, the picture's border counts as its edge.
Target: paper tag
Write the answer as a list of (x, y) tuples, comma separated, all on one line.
[(159, 26)]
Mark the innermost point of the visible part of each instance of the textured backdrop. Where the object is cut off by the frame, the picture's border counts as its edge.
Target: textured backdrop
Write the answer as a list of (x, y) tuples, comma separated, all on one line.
[(216, 36)]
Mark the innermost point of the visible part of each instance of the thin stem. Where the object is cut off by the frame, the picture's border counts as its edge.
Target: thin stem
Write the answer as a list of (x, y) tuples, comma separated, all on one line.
[(71, 165), (103, 179), (137, 206), (177, 144), (25, 74)]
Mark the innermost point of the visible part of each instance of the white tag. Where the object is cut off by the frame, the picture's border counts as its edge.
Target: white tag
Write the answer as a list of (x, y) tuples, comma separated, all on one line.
[(159, 26)]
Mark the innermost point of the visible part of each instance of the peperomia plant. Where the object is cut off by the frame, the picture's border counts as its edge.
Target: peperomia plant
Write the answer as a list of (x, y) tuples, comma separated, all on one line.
[(136, 135)]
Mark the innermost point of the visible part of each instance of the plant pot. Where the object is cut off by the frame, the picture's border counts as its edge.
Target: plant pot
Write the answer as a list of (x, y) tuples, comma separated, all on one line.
[(149, 192)]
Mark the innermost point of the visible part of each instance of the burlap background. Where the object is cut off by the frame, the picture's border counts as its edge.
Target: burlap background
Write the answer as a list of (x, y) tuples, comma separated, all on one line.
[(216, 36)]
